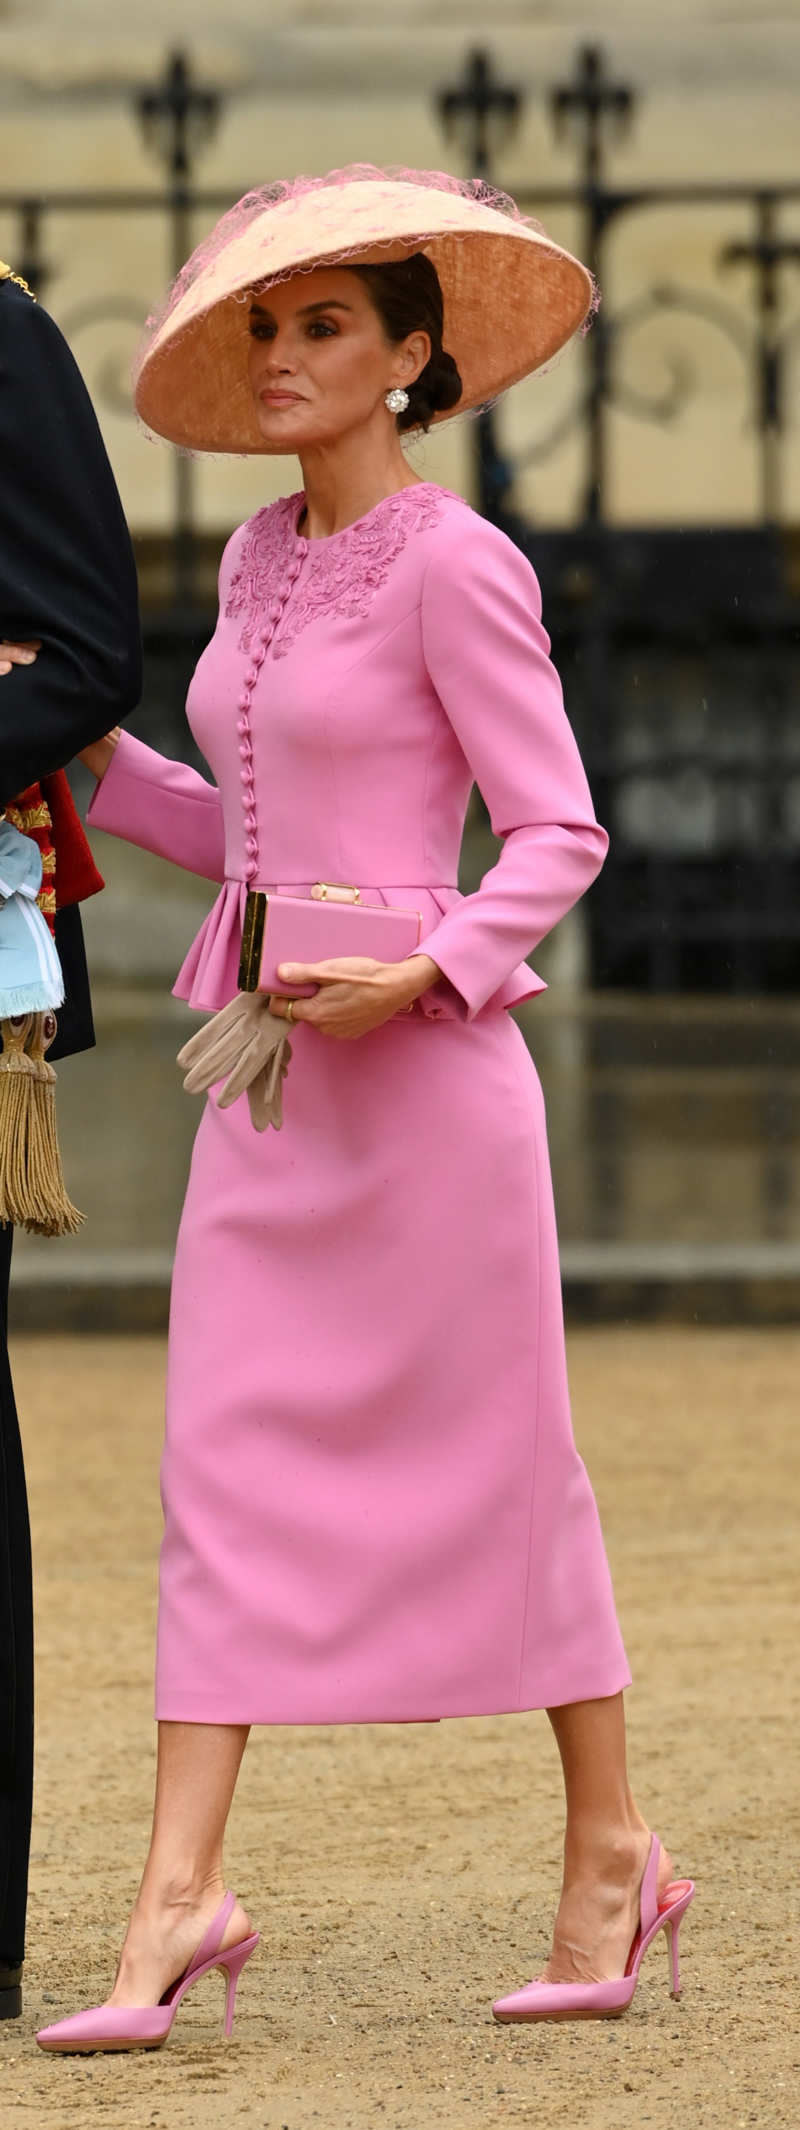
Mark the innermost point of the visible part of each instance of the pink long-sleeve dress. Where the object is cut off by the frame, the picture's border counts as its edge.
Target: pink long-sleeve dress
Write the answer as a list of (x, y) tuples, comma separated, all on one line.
[(374, 1509)]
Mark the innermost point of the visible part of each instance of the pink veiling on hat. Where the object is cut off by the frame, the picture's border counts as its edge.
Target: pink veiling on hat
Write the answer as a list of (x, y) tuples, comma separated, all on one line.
[(512, 297)]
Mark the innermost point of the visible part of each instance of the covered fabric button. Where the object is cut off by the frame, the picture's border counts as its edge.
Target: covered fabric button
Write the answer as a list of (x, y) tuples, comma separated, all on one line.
[(251, 868), (246, 776), (244, 702)]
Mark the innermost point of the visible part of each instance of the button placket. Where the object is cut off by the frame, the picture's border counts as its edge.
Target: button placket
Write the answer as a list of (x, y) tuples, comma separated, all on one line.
[(257, 656)]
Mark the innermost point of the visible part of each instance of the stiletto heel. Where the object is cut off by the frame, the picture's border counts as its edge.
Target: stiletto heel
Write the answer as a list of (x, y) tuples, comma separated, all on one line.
[(233, 1965), (606, 2000), (672, 1950), (116, 2026)]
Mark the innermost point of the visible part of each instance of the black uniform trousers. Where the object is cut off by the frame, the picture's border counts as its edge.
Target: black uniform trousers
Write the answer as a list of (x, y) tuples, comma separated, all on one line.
[(67, 578), (16, 1656)]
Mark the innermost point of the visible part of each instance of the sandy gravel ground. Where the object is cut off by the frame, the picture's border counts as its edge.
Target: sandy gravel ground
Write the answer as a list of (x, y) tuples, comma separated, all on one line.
[(402, 1876)]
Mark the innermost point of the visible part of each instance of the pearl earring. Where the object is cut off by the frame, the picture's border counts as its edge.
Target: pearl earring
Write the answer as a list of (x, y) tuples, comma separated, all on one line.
[(397, 400)]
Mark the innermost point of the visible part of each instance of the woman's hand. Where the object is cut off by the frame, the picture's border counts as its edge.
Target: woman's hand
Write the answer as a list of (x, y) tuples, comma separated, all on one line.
[(17, 654), (101, 752), (355, 994)]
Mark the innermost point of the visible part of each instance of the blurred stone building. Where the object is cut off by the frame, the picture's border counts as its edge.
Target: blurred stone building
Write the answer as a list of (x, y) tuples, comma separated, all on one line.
[(660, 504)]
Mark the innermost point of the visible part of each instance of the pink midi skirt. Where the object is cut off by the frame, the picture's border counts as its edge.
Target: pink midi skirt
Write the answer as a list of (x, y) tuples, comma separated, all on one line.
[(374, 1509)]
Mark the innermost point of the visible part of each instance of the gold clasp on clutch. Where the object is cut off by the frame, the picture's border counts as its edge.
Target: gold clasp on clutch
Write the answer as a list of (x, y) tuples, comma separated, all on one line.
[(327, 891)]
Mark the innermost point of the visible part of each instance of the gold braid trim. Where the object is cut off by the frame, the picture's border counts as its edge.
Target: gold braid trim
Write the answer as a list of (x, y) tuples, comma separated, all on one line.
[(7, 275), (37, 822), (27, 817)]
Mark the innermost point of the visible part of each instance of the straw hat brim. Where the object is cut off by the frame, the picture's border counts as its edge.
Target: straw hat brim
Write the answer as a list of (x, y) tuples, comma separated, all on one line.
[(512, 299)]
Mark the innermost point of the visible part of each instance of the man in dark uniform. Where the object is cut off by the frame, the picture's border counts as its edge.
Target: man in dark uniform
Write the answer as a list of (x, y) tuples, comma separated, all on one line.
[(67, 585)]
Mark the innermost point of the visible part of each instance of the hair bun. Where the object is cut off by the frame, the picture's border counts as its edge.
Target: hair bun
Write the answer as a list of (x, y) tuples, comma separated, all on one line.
[(437, 388)]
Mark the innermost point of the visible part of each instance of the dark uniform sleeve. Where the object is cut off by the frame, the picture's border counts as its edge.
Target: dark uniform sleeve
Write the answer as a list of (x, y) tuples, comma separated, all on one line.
[(67, 573)]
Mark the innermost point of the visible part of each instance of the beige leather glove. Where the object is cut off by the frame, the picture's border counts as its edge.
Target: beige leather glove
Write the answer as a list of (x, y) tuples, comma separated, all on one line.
[(250, 1045)]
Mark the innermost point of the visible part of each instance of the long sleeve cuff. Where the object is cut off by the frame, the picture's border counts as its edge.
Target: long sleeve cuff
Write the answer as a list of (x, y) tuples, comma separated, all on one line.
[(163, 807), (487, 655)]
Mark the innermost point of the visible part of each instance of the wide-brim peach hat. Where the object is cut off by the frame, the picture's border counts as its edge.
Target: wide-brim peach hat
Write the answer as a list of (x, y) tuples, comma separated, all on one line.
[(512, 297)]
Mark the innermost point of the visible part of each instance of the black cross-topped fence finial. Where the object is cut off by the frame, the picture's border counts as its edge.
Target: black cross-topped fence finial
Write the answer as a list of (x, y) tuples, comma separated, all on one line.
[(591, 97), (767, 251), (590, 101), (485, 111), (178, 115), (484, 106)]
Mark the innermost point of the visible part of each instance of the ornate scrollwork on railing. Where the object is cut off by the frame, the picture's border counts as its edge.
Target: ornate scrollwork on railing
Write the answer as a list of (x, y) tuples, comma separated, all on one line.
[(110, 382), (654, 406), (684, 302)]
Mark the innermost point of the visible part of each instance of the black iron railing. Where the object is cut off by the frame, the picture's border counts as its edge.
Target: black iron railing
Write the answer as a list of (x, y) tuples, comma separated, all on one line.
[(680, 651)]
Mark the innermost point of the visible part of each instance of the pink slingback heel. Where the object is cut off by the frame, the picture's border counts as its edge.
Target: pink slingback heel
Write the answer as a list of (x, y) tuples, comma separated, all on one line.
[(606, 2000), (116, 2026)]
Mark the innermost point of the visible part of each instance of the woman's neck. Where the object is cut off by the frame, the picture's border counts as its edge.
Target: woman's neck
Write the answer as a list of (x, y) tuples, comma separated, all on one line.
[(342, 484)]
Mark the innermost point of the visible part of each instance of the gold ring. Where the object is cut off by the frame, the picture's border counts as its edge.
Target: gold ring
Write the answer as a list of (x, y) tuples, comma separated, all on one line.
[(289, 1014)]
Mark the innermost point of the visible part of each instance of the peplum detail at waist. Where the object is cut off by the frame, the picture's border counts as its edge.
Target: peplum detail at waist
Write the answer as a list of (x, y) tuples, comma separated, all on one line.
[(208, 978)]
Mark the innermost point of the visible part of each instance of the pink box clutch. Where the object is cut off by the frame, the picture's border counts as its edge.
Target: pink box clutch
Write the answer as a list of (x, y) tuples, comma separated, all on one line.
[(320, 927)]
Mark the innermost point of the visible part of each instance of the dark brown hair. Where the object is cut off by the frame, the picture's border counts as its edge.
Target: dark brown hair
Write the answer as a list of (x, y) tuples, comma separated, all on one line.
[(407, 295)]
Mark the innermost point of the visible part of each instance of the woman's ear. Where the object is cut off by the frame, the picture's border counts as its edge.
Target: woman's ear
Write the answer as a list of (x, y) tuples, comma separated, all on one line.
[(416, 353)]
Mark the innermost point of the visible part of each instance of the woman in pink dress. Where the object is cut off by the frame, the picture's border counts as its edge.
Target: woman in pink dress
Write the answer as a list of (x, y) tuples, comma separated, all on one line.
[(374, 1508)]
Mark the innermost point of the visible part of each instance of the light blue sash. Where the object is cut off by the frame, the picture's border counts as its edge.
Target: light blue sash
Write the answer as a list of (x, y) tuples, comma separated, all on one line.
[(30, 971)]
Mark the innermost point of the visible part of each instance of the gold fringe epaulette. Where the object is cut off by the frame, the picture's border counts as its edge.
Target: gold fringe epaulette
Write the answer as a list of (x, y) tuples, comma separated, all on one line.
[(6, 274)]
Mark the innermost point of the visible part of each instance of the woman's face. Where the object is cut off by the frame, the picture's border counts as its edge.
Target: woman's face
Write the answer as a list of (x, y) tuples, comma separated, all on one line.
[(320, 363)]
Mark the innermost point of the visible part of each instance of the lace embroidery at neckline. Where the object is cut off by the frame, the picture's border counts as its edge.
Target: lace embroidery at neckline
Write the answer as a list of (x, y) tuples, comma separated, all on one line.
[(341, 574)]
